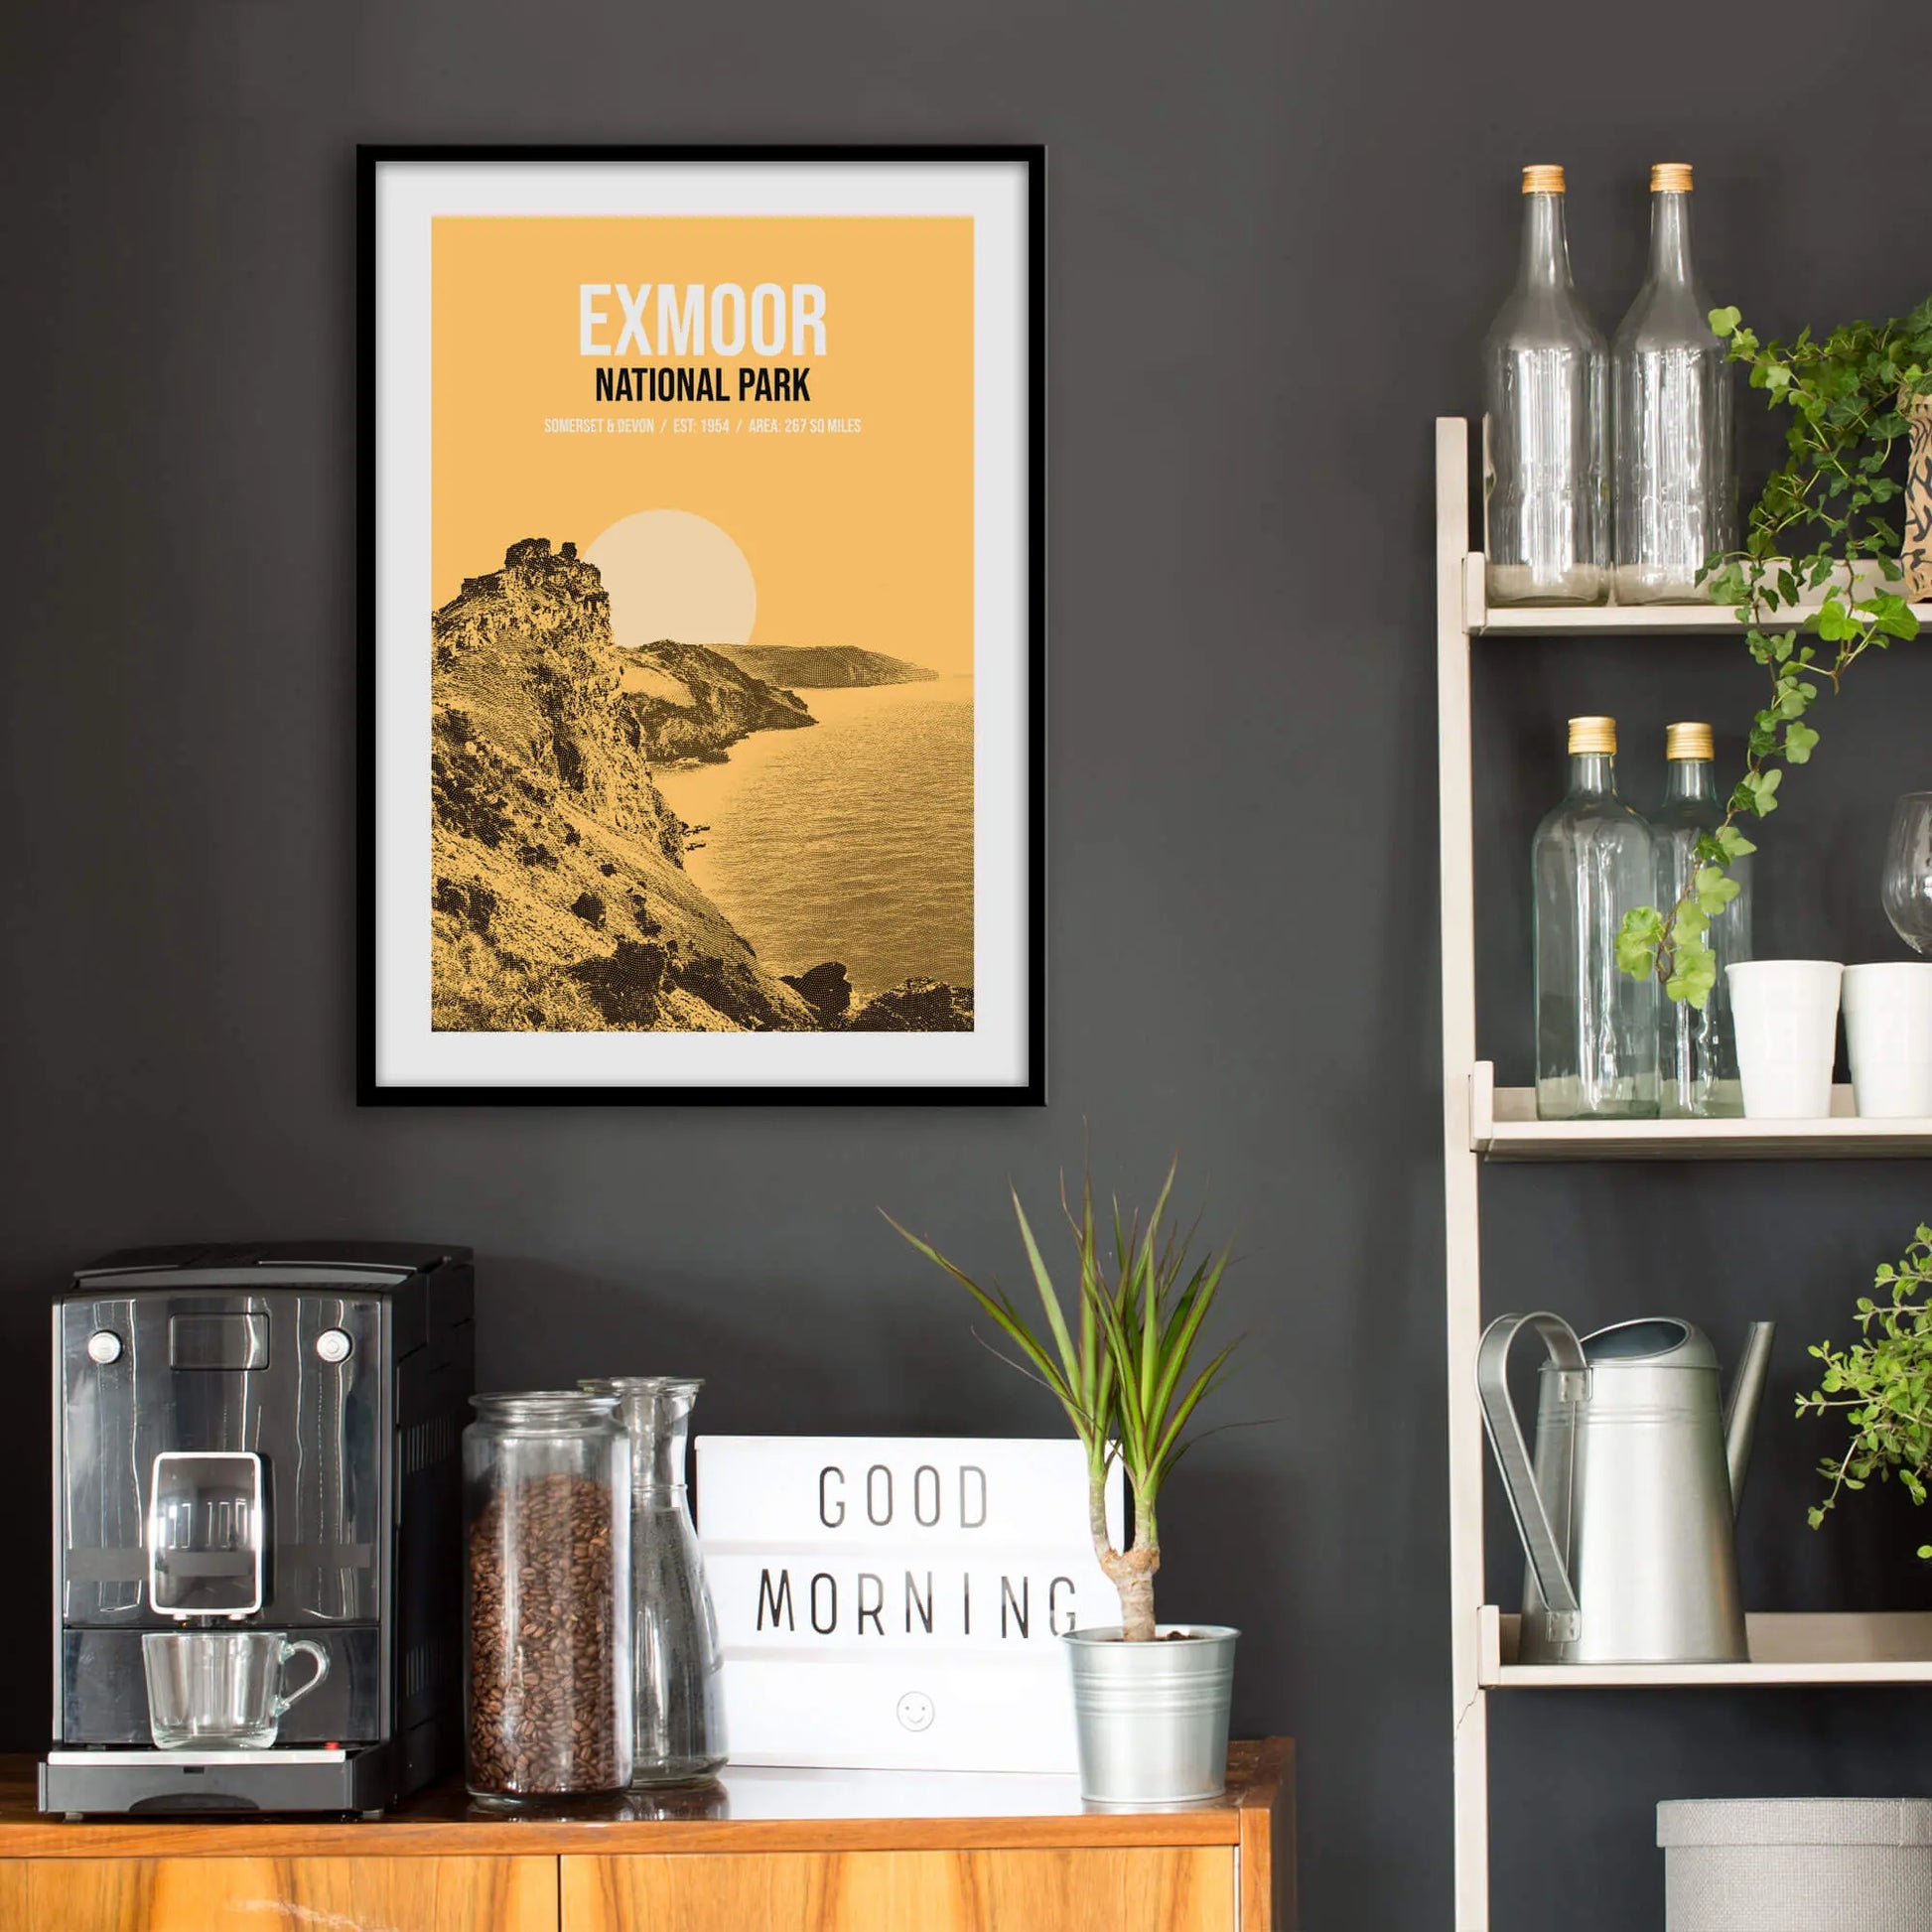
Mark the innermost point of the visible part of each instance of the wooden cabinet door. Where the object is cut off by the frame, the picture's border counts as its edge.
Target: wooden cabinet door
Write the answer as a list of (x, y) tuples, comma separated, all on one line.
[(194, 1894), (1168, 1889)]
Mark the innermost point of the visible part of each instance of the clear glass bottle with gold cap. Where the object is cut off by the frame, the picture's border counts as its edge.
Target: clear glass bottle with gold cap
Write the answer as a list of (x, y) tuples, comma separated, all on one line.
[(1698, 1078), (1676, 488), (1546, 423), (1592, 863)]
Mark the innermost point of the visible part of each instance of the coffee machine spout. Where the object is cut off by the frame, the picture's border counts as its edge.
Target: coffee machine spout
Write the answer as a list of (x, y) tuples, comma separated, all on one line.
[(1740, 1408)]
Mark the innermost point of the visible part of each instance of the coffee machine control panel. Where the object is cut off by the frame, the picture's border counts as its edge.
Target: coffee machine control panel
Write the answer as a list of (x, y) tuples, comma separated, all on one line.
[(231, 1341)]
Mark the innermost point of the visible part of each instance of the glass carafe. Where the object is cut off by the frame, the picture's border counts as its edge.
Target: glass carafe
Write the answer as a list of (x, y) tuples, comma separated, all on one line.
[(1700, 1072), (1675, 493), (677, 1667), (1545, 424), (1596, 1025)]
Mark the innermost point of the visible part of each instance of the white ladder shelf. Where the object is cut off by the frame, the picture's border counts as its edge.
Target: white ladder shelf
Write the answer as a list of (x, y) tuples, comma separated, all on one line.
[(1483, 1121)]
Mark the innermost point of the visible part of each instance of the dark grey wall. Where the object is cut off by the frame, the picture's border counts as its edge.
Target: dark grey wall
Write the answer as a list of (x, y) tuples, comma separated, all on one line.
[(1277, 235)]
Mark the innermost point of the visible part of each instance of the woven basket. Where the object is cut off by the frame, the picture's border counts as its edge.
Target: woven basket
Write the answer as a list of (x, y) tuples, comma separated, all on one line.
[(1917, 554), (1797, 1864)]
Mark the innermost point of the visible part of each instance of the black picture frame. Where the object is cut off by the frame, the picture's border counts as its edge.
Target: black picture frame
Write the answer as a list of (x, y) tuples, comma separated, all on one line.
[(1031, 1090)]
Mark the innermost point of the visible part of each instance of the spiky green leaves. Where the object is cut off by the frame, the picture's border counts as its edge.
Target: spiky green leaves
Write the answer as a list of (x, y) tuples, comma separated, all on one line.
[(1123, 1360)]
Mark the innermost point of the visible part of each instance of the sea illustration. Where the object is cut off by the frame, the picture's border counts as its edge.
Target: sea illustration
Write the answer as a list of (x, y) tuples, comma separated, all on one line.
[(644, 820)]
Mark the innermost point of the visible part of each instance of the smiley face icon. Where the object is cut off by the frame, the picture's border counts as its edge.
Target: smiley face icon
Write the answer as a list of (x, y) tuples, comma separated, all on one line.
[(915, 1711)]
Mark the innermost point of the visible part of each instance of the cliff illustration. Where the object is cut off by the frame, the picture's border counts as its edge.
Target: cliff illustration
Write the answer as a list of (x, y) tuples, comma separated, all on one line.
[(559, 899), (687, 701), (824, 667)]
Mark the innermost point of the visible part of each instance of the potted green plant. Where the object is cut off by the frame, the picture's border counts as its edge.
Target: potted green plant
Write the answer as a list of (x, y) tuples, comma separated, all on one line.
[(1119, 1356), (1883, 1383)]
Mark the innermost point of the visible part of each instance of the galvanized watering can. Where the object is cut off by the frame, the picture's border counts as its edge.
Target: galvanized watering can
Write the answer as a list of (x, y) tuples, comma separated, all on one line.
[(1627, 1517)]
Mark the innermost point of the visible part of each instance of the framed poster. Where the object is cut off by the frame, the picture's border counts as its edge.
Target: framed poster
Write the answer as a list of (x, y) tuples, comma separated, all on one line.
[(703, 592)]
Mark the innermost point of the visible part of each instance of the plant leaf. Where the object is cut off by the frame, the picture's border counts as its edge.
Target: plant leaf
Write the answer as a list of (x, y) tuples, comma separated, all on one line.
[(1002, 1312), (1049, 1300)]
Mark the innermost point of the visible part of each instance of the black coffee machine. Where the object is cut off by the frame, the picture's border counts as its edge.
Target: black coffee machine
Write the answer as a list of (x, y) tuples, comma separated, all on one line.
[(261, 1438)]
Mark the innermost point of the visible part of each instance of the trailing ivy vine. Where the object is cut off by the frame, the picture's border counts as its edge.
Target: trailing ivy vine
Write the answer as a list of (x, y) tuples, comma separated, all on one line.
[(1848, 395)]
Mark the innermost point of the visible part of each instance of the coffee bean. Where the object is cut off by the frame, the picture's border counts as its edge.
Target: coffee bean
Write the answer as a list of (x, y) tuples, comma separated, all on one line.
[(543, 1635)]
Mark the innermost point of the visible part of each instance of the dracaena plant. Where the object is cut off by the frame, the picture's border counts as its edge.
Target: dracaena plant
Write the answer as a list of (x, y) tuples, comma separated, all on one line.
[(1882, 1384), (1121, 1354), (1849, 397)]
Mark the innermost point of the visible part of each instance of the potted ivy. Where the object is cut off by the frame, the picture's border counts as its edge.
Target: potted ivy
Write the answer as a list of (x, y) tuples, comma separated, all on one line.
[(1882, 1382), (1119, 1356)]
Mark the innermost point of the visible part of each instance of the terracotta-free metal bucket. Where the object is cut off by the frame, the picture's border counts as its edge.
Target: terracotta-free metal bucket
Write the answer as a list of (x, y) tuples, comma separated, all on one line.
[(1153, 1718)]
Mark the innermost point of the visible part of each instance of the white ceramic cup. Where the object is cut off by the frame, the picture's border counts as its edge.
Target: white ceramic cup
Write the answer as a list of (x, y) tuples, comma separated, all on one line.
[(1888, 1031), (1785, 1012)]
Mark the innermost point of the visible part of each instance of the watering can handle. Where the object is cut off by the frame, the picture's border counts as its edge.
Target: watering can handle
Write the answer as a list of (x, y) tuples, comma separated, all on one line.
[(1540, 1541)]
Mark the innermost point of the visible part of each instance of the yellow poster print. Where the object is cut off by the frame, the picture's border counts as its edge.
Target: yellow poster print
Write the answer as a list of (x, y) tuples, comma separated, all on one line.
[(702, 652)]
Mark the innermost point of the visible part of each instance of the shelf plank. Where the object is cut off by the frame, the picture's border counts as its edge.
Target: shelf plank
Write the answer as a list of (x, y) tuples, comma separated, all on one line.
[(1503, 1126), (1485, 619), (1788, 1648), (1632, 620)]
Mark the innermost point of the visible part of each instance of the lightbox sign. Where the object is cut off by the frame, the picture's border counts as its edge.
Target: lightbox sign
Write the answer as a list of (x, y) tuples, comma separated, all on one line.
[(898, 1601)]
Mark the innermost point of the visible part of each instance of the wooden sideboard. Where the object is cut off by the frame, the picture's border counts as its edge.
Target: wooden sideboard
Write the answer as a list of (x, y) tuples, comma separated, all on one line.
[(766, 1850)]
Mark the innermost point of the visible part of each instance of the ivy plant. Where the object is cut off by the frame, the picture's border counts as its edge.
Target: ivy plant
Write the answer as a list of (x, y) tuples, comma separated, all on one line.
[(1847, 395), (1884, 1384)]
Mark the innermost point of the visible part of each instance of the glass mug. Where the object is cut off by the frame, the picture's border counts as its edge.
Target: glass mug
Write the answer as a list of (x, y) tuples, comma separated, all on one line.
[(220, 1689)]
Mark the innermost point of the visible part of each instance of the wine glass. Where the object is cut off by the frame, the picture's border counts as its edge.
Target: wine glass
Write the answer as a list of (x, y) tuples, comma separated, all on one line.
[(1907, 891)]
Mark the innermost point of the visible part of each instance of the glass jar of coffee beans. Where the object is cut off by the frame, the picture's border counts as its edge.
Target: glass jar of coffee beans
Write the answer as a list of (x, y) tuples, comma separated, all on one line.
[(546, 1524)]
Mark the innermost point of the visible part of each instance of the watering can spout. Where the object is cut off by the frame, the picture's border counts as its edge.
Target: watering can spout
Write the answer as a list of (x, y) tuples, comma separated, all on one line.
[(1741, 1406)]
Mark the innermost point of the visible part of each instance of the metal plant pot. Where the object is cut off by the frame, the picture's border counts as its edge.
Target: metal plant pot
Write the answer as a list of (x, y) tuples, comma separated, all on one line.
[(1153, 1718)]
